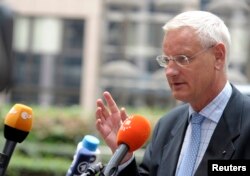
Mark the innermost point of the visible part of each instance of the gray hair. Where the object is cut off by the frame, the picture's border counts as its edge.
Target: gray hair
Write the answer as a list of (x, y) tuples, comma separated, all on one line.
[(209, 27)]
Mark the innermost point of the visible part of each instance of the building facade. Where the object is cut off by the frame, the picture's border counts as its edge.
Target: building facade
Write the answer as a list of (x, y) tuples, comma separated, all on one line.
[(68, 52)]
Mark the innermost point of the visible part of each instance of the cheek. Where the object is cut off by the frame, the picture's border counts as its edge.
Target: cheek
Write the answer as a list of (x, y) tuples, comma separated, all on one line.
[(205, 77), (198, 78)]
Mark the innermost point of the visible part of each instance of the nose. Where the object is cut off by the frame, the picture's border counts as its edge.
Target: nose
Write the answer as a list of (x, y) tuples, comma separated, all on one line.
[(171, 69)]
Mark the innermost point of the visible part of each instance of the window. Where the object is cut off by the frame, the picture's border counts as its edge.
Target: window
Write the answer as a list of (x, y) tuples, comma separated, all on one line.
[(47, 65)]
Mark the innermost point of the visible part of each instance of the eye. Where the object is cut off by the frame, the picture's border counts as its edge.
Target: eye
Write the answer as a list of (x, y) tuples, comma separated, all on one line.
[(166, 59), (182, 59)]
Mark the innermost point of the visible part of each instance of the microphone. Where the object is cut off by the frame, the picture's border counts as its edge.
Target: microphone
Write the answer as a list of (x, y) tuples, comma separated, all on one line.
[(132, 134), (17, 124), (86, 155), (93, 170)]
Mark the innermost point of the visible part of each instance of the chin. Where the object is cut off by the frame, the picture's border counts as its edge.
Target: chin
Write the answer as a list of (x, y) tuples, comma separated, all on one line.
[(180, 96)]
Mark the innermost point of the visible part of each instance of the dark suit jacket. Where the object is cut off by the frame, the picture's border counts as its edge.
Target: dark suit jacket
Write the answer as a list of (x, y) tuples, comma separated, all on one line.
[(231, 140)]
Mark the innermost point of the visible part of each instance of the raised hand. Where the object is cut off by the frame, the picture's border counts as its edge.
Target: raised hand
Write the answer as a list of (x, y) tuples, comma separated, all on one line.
[(109, 119)]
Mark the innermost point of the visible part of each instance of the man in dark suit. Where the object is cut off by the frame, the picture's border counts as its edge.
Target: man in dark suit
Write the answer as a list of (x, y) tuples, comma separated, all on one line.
[(196, 45)]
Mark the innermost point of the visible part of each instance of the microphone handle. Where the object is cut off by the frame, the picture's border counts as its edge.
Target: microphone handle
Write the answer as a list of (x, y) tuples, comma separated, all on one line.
[(93, 170), (6, 155), (116, 159)]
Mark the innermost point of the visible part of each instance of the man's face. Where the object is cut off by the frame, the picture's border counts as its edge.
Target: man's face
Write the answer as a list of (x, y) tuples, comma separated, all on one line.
[(195, 81)]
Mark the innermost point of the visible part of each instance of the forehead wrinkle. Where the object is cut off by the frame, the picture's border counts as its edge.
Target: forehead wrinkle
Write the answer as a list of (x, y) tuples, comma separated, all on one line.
[(180, 41)]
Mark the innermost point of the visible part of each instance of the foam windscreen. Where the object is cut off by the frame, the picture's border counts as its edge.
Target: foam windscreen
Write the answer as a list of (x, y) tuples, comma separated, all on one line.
[(134, 132)]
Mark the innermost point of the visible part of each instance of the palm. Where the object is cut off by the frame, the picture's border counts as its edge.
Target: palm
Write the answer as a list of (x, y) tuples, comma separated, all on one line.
[(110, 129)]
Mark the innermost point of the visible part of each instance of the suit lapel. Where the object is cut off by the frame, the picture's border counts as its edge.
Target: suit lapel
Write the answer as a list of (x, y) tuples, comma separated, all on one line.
[(171, 150), (221, 145)]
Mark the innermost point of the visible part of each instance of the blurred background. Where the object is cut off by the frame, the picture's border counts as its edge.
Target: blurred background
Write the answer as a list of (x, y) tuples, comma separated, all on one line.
[(65, 53)]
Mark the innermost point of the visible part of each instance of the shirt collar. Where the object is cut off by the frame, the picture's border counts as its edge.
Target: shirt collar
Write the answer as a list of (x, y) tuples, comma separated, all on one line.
[(215, 108)]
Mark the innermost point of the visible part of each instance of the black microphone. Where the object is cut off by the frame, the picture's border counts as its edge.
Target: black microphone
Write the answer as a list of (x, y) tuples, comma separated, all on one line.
[(93, 170), (17, 124), (132, 134), (86, 155)]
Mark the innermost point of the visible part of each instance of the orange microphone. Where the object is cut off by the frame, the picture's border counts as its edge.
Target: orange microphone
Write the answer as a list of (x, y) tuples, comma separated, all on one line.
[(17, 125), (132, 134)]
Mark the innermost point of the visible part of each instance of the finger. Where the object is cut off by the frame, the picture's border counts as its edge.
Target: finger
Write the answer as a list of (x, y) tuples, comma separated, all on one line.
[(124, 115), (110, 102), (98, 113), (102, 107), (99, 127), (100, 120)]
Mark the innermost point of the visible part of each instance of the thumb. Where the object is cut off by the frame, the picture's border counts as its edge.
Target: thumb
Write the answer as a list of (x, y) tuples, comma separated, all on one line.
[(124, 115)]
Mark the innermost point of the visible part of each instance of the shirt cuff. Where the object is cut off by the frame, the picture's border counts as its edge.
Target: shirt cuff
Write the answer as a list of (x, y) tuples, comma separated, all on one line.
[(124, 165)]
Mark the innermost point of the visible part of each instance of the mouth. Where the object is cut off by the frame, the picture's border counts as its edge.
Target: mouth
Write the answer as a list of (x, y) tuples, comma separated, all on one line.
[(177, 85)]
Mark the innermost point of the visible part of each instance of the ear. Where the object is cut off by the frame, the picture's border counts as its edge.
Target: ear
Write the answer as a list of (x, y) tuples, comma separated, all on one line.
[(220, 56)]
